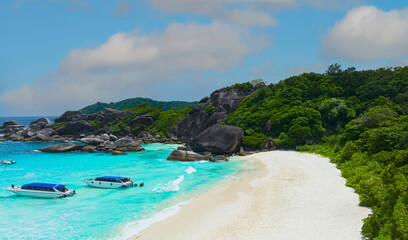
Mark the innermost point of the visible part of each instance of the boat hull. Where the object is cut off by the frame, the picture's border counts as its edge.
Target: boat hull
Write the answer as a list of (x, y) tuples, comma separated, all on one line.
[(40, 194), (102, 184)]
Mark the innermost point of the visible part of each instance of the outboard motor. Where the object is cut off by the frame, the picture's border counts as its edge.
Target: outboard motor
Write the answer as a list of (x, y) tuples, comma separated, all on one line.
[(141, 184)]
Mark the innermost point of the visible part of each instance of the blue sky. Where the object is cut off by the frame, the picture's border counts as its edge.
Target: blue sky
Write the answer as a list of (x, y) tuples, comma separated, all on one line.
[(65, 54)]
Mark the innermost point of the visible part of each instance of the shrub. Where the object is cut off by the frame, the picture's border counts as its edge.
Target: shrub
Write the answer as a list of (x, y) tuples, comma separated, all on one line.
[(255, 141)]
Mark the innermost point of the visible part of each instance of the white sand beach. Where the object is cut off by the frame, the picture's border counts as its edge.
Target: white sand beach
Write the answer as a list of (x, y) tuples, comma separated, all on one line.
[(291, 196)]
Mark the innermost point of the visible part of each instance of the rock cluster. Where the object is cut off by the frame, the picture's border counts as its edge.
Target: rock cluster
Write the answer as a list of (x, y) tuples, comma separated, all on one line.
[(10, 127), (209, 111), (190, 156), (202, 129), (95, 144)]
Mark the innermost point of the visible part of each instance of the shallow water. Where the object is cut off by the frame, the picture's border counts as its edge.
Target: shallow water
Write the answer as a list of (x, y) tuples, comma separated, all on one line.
[(98, 213)]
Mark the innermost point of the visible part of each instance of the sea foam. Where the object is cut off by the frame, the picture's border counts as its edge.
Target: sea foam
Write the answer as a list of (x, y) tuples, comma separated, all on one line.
[(172, 186), (190, 170), (133, 228)]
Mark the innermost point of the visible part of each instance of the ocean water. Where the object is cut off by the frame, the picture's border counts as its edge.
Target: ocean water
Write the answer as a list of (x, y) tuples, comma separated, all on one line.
[(98, 213), (25, 121)]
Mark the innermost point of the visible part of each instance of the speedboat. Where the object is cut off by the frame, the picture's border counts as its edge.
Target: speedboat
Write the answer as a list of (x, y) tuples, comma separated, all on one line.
[(42, 190), (109, 182), (7, 162)]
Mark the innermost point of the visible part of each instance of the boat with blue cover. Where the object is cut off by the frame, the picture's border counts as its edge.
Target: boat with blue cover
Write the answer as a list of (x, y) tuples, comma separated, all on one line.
[(109, 182), (42, 190)]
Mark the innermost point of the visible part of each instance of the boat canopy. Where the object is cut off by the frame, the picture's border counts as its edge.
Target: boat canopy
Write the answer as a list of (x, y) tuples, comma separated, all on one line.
[(110, 177), (44, 185)]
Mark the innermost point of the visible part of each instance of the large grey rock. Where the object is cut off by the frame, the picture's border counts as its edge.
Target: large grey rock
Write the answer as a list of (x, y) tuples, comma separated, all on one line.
[(92, 141), (35, 127), (15, 137), (105, 137), (113, 115), (218, 139), (61, 147), (142, 120), (219, 158), (181, 155), (41, 137), (125, 144), (92, 117), (104, 130), (11, 129), (42, 122), (89, 149), (68, 116), (48, 132), (76, 128), (268, 145), (10, 123), (210, 110)]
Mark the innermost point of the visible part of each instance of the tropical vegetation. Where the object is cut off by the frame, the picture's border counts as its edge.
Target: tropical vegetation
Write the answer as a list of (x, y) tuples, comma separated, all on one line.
[(128, 103), (358, 119)]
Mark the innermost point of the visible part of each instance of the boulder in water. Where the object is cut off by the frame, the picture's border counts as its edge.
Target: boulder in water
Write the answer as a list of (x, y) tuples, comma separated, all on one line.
[(181, 155), (10, 123), (61, 147)]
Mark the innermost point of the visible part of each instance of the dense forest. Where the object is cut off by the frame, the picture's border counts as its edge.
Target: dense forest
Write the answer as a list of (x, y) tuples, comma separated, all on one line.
[(357, 118), (160, 121), (129, 103)]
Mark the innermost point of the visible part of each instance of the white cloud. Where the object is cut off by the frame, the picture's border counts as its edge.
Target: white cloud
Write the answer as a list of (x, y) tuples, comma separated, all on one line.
[(134, 64), (367, 33)]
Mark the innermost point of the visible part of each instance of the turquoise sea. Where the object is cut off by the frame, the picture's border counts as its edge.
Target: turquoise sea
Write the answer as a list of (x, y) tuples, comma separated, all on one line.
[(98, 213)]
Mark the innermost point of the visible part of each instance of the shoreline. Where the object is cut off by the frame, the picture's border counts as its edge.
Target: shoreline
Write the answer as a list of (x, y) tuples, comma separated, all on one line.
[(278, 195)]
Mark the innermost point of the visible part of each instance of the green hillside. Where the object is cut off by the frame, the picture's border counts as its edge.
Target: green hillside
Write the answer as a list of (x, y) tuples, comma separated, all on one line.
[(358, 119), (129, 103)]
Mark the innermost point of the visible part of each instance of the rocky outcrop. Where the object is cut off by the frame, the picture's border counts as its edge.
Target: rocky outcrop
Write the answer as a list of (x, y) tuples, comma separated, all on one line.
[(62, 147), (92, 141), (112, 115), (267, 127), (210, 110), (90, 149), (218, 139), (125, 144), (36, 127), (268, 145), (218, 159), (68, 116), (142, 120), (41, 122), (182, 155), (10, 127), (76, 128), (10, 123)]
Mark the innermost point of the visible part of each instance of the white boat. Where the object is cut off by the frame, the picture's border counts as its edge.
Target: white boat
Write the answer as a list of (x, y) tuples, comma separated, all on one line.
[(109, 182), (42, 190), (7, 162)]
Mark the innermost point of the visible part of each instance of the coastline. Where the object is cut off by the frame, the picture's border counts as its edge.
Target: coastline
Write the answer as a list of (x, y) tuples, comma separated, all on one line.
[(278, 195)]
